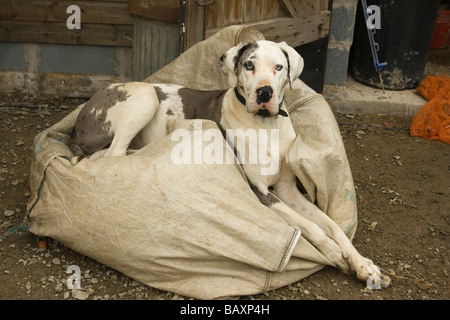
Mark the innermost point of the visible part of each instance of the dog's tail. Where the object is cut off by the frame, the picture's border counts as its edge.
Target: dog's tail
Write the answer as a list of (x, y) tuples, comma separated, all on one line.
[(75, 148)]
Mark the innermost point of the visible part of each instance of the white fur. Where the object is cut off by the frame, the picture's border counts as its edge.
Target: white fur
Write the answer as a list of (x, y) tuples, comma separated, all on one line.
[(156, 128), (136, 111)]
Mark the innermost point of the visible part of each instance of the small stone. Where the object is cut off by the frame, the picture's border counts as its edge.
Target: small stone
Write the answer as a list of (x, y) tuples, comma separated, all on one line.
[(367, 290), (79, 294), (372, 226), (56, 261), (9, 213), (28, 286), (59, 287), (19, 143)]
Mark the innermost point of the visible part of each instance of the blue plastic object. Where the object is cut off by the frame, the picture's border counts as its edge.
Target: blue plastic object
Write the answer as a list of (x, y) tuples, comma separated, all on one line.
[(379, 66)]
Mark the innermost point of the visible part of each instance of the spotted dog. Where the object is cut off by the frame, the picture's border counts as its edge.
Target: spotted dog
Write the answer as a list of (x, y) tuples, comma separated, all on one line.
[(135, 114)]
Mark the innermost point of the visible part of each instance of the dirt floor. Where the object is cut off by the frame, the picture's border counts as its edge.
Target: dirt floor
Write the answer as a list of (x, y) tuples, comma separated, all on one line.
[(403, 192)]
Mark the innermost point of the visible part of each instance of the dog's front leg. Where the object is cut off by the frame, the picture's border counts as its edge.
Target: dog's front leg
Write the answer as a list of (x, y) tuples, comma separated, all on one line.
[(288, 192)]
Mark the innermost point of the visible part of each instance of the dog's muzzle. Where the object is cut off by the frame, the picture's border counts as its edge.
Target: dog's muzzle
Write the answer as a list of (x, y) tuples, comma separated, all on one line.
[(262, 112), (264, 94)]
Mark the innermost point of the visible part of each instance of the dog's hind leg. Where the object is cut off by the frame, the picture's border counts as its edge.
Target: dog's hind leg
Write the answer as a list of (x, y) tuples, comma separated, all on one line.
[(130, 118), (73, 145)]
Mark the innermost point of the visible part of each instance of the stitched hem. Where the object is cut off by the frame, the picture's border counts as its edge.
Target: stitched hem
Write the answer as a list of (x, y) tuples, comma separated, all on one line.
[(290, 249)]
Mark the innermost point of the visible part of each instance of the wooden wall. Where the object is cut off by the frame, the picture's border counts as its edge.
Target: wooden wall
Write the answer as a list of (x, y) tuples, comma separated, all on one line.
[(110, 22), (157, 31), (295, 21), (227, 12), (103, 22)]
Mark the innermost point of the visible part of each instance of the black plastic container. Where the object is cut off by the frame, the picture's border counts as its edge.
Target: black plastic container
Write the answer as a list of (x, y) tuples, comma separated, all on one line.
[(404, 40)]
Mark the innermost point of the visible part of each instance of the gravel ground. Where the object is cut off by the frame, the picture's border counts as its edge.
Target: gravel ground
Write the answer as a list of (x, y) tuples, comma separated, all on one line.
[(403, 188)]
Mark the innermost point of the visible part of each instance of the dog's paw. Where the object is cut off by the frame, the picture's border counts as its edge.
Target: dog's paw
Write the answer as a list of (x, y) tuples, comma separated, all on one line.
[(367, 271), (74, 161), (373, 282)]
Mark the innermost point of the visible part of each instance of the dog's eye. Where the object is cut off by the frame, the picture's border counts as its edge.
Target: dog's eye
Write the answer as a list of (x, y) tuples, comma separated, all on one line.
[(249, 65), (278, 67)]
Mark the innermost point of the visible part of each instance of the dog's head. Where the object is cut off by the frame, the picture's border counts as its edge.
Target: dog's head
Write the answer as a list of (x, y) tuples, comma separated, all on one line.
[(261, 72)]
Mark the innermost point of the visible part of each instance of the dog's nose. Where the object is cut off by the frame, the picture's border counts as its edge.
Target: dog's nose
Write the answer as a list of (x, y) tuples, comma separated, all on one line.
[(264, 94)]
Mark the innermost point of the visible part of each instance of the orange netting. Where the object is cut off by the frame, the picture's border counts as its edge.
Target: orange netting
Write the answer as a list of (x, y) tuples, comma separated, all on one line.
[(433, 120)]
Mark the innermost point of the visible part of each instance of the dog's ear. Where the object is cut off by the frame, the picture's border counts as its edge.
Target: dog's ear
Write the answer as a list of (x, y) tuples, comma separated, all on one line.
[(295, 61), (228, 63)]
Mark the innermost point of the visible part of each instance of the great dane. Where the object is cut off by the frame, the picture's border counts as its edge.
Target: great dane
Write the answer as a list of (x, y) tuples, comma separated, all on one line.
[(259, 73)]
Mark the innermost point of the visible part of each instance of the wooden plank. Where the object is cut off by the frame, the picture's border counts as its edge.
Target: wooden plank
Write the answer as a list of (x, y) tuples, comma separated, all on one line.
[(124, 1), (294, 31), (155, 45), (57, 32), (103, 12), (225, 13), (262, 9), (193, 25), (292, 7), (323, 5), (313, 6), (168, 10), (301, 8)]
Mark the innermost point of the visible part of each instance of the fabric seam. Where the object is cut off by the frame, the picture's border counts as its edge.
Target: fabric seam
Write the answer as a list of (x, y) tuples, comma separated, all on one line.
[(302, 102), (290, 248)]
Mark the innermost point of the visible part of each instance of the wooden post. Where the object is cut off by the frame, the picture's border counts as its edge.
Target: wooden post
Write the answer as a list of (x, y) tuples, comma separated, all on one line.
[(193, 24)]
